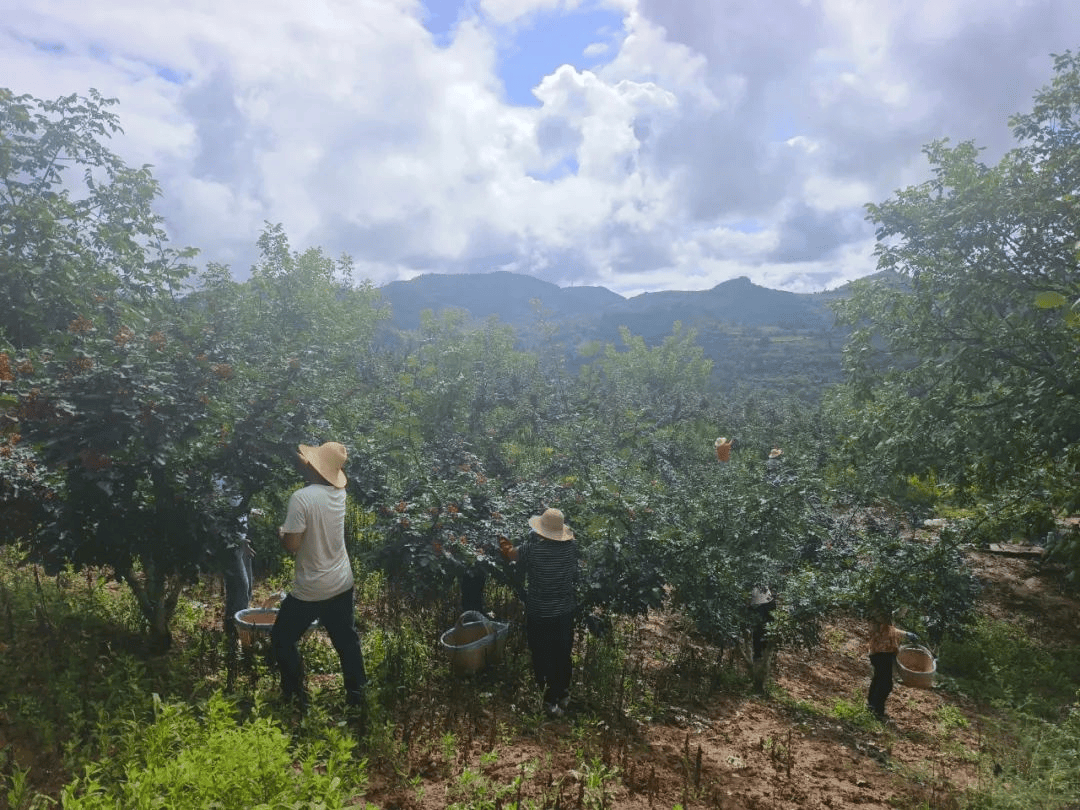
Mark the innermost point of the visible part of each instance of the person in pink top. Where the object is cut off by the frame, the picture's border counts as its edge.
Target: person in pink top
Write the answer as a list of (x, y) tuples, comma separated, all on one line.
[(314, 530)]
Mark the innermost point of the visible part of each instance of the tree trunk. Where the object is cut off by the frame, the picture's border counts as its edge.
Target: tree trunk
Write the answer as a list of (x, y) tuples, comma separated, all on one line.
[(157, 595), (760, 668)]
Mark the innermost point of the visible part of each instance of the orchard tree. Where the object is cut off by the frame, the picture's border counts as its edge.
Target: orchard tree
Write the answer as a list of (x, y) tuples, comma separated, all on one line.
[(163, 436), (959, 365), (737, 526), (156, 415), (78, 234)]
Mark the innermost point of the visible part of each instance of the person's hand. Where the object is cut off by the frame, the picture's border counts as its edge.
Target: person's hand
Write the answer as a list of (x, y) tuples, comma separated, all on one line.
[(505, 546)]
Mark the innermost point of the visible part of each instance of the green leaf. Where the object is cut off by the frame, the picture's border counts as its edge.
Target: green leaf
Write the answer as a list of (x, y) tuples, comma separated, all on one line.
[(1050, 300)]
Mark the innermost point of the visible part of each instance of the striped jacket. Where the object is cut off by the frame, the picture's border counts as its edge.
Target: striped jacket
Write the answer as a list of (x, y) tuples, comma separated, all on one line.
[(550, 569)]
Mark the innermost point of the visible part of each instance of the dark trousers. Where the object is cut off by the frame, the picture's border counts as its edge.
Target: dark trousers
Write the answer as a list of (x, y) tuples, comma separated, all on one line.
[(551, 642), (472, 589), (762, 615), (881, 682), (336, 615), (238, 579)]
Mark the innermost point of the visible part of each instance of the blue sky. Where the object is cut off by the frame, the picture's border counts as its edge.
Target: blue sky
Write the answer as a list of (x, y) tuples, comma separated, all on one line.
[(533, 47), (636, 144)]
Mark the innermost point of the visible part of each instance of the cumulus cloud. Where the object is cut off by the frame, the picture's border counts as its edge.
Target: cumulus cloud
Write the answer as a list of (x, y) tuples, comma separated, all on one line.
[(685, 144)]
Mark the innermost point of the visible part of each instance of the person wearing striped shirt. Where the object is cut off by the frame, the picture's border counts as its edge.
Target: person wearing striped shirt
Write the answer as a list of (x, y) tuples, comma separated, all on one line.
[(548, 562)]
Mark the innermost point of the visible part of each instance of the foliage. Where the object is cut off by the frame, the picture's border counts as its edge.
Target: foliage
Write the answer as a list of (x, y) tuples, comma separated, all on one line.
[(1000, 662), (1035, 764), (88, 245), (928, 586), (956, 364), (196, 758), (444, 524), (159, 417), (737, 528)]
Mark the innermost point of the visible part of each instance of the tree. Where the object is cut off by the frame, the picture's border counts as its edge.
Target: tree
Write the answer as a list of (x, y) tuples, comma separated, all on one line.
[(956, 364), (152, 407), (78, 235)]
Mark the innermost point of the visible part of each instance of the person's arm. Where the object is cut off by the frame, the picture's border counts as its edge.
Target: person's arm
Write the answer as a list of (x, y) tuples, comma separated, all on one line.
[(290, 541), (507, 549)]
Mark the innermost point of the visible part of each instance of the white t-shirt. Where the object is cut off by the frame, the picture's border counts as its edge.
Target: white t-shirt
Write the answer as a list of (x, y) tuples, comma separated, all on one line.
[(323, 569)]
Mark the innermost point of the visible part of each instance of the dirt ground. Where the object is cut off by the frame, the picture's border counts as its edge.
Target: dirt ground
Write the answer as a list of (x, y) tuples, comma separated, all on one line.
[(758, 753), (718, 748)]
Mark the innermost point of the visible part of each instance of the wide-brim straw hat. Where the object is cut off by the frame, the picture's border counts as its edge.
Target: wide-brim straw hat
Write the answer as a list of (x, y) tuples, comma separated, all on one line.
[(551, 525), (776, 452), (327, 460)]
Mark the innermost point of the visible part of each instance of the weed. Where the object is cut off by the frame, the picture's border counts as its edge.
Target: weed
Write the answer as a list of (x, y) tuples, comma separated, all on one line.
[(949, 717), (1034, 763), (854, 712), (999, 662), (449, 745), (595, 778), (472, 790), (196, 757), (19, 794)]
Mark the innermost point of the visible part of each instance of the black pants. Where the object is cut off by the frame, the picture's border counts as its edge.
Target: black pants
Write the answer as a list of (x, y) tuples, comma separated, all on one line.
[(472, 589), (336, 615), (881, 682), (551, 642), (762, 615)]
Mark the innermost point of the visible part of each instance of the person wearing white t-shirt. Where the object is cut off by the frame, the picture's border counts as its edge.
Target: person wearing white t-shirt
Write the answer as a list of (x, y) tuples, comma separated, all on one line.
[(314, 530)]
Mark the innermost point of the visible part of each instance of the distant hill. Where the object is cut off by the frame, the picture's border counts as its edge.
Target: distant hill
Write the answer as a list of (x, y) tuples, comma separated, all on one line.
[(755, 336), (508, 296)]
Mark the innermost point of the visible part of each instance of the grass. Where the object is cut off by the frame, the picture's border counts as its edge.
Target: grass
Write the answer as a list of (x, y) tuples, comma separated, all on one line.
[(1001, 663), (106, 720)]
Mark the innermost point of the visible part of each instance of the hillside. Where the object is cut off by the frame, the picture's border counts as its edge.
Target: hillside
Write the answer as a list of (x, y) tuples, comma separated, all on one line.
[(806, 745), (756, 337), (689, 734)]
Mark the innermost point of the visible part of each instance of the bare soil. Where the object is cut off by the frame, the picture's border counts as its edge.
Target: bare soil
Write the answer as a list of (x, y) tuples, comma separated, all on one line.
[(725, 749), (716, 746)]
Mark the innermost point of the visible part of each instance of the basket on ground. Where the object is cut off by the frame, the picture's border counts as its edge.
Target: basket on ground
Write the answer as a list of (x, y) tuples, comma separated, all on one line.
[(255, 624), (916, 666), (474, 642)]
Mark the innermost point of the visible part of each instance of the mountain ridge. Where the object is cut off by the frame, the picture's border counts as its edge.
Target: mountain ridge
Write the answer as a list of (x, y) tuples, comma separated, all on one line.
[(755, 336), (511, 296)]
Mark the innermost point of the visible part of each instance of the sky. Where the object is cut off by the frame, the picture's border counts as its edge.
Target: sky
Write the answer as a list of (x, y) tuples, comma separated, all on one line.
[(638, 145)]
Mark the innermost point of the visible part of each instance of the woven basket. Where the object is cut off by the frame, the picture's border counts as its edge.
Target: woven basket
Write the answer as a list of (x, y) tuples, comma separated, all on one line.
[(254, 624), (916, 667), (474, 642)]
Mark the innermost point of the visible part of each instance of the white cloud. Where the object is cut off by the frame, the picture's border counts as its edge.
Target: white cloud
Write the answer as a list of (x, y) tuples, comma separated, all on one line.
[(718, 139)]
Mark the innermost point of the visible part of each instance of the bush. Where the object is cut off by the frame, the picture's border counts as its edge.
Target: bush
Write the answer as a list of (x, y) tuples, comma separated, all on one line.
[(192, 758), (1036, 764), (998, 662)]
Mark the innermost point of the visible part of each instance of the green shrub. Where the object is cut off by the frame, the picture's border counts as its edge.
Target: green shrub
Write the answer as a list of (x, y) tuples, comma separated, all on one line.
[(1034, 764), (205, 757), (997, 661)]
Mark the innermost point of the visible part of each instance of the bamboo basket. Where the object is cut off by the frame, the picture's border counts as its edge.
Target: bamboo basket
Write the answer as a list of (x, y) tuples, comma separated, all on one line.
[(916, 667)]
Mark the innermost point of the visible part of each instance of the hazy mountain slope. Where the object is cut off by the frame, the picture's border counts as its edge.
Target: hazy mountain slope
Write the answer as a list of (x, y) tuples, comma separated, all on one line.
[(755, 336)]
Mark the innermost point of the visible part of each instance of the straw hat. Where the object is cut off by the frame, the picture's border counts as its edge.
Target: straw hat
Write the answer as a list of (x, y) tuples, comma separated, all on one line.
[(327, 460), (776, 452), (550, 525), (721, 441)]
